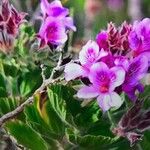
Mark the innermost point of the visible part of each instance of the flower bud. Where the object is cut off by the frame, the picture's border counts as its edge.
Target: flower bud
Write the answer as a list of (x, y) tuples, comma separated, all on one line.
[(10, 20)]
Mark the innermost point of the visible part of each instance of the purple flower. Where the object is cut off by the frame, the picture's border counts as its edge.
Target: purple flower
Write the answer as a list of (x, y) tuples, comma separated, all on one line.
[(102, 40), (104, 81), (89, 54), (139, 38), (135, 72), (53, 32), (55, 9), (55, 24)]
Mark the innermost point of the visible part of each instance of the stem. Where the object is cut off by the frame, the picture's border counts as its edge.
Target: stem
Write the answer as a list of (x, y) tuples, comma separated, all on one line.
[(42, 73), (58, 66), (139, 147), (110, 119), (30, 100)]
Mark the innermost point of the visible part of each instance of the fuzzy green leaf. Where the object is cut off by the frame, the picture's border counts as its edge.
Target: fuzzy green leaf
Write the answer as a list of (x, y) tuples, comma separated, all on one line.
[(26, 136)]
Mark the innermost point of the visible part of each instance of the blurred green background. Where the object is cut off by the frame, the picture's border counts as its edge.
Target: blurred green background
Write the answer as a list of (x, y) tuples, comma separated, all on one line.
[(91, 15)]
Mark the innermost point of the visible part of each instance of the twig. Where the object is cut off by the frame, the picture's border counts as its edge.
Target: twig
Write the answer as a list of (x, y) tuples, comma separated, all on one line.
[(58, 67), (8, 141), (45, 83), (42, 73), (110, 119)]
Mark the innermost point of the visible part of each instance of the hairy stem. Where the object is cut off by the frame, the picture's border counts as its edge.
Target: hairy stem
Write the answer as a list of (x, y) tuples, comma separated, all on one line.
[(110, 119), (30, 100)]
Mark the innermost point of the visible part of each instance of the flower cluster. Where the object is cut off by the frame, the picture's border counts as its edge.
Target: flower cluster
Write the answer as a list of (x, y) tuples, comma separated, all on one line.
[(10, 21), (56, 23), (114, 63)]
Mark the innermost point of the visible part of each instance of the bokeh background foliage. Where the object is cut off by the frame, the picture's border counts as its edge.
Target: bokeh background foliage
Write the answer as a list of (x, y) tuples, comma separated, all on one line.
[(57, 119)]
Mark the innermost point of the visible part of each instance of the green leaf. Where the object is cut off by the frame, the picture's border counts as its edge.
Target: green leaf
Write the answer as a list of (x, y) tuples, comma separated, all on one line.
[(73, 106), (3, 92), (92, 142), (36, 121), (88, 115), (56, 112), (30, 82), (7, 105), (11, 69), (145, 96), (145, 144), (2, 82), (101, 127), (26, 136), (56, 100), (146, 92)]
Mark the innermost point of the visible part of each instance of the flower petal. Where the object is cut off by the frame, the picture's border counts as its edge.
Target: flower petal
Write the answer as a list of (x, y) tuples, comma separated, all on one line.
[(106, 101), (69, 23), (117, 78), (59, 37), (139, 37), (89, 53), (44, 6), (102, 53), (122, 62), (103, 101), (54, 8), (147, 55), (102, 40), (96, 70), (137, 69), (87, 92), (134, 41), (53, 31), (73, 71), (115, 100)]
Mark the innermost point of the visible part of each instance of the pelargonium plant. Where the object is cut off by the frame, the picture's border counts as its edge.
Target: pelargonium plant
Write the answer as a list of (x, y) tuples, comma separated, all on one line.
[(57, 100)]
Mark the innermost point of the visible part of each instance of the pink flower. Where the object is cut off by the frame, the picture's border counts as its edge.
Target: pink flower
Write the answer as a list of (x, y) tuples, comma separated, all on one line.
[(139, 38), (104, 81), (89, 54), (53, 32), (55, 9), (56, 23)]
